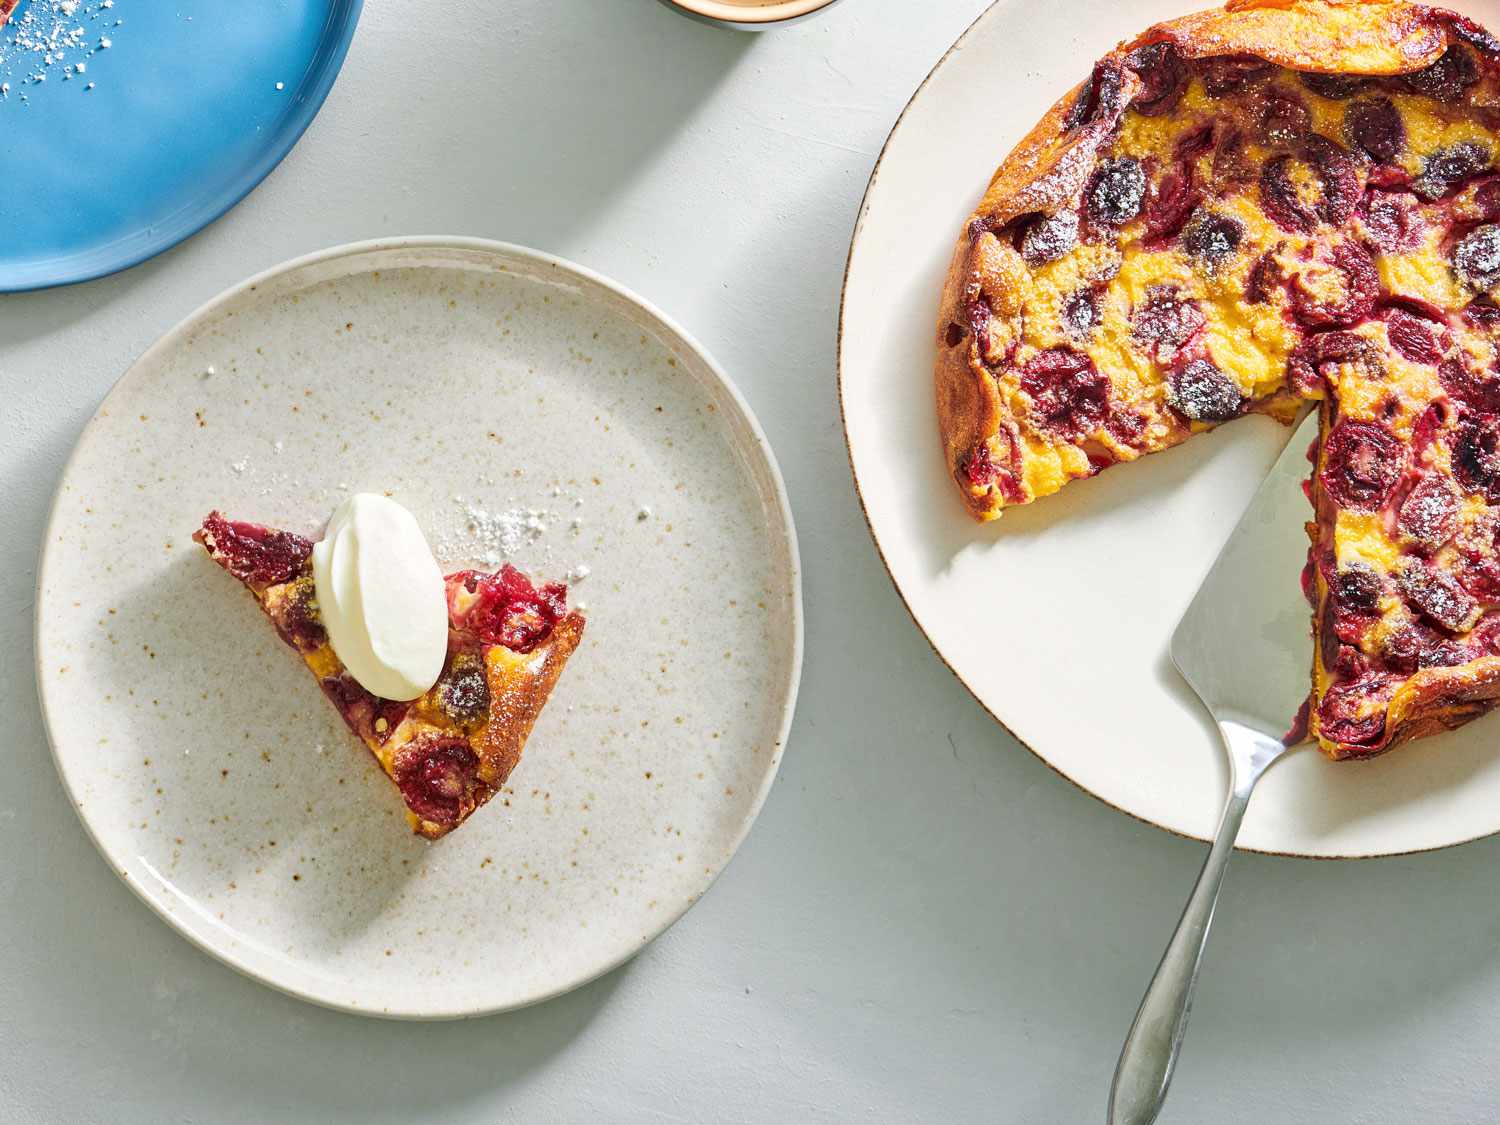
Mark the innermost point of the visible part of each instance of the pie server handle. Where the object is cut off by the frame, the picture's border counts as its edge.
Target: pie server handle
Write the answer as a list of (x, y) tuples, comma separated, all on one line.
[(1150, 1053)]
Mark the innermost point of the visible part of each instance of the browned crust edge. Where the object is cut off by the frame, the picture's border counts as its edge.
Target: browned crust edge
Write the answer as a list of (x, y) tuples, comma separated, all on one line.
[(517, 696), (518, 692), (1052, 161)]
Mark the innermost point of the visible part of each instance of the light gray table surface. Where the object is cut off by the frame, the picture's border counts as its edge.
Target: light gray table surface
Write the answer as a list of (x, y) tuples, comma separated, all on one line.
[(926, 923)]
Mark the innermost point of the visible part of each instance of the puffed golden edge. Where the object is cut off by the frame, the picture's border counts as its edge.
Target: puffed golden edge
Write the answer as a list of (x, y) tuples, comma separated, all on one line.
[(1052, 163), (519, 688)]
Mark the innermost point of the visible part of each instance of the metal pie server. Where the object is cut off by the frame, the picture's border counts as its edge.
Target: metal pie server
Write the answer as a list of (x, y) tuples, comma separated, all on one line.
[(1244, 647)]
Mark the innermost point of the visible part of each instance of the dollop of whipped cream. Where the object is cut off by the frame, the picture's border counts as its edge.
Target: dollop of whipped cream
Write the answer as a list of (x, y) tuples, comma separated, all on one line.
[(381, 596)]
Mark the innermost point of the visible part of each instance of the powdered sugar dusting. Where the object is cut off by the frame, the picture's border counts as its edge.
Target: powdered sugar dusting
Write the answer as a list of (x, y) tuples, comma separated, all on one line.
[(53, 40)]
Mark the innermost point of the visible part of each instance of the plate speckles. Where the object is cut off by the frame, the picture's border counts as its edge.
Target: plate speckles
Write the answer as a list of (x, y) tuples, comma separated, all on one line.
[(202, 758)]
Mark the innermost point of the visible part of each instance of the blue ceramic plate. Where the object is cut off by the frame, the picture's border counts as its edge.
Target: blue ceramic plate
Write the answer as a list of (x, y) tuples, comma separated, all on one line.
[(189, 106)]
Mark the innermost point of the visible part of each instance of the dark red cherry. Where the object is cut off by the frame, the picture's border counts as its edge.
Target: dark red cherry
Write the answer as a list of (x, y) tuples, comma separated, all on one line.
[(1080, 313), (1481, 578), (1264, 278), (1438, 596), (1101, 99), (1428, 516), (1426, 428), (1482, 312), (1393, 219), (1350, 275), (1163, 75), (1339, 713), (1362, 463), (1167, 322), (463, 690), (1313, 364), (1050, 237), (1067, 391), (261, 556), (1283, 118), (1375, 126), (1338, 181), (1476, 456), (1226, 74), (1447, 168), (1169, 203), (1408, 646), (1200, 392), (1415, 337), (504, 608), (977, 467), (1335, 86), (1448, 78), (437, 776), (1115, 192), (298, 618), (1476, 258), (1479, 390), (1211, 237), (1357, 587)]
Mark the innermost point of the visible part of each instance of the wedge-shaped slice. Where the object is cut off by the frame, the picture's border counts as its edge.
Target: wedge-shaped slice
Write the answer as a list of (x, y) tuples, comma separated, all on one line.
[(449, 751)]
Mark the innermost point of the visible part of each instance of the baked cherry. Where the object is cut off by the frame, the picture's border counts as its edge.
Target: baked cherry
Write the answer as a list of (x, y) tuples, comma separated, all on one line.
[(1200, 392), (1392, 219), (1448, 78), (1375, 126), (1067, 391), (1428, 516), (1169, 203), (437, 776), (1050, 237), (1481, 578), (1476, 456), (1437, 596), (1335, 86), (1282, 118), (1163, 76), (1226, 74), (1115, 192), (1330, 165), (1361, 464), (1101, 98), (1167, 322), (1445, 169), (1339, 291), (1211, 237), (1357, 587), (1415, 337), (1080, 313), (1425, 429), (1476, 257), (1479, 390), (1408, 646), (1340, 717), (463, 689), (1264, 278), (297, 617), (977, 467), (260, 556), (1482, 312), (505, 608)]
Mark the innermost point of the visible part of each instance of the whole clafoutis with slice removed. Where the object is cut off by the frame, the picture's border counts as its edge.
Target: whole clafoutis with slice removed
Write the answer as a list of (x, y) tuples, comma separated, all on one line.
[(1251, 209)]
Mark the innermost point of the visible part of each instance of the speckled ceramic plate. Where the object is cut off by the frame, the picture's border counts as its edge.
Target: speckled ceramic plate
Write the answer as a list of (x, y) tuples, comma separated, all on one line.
[(522, 407), (1057, 616)]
